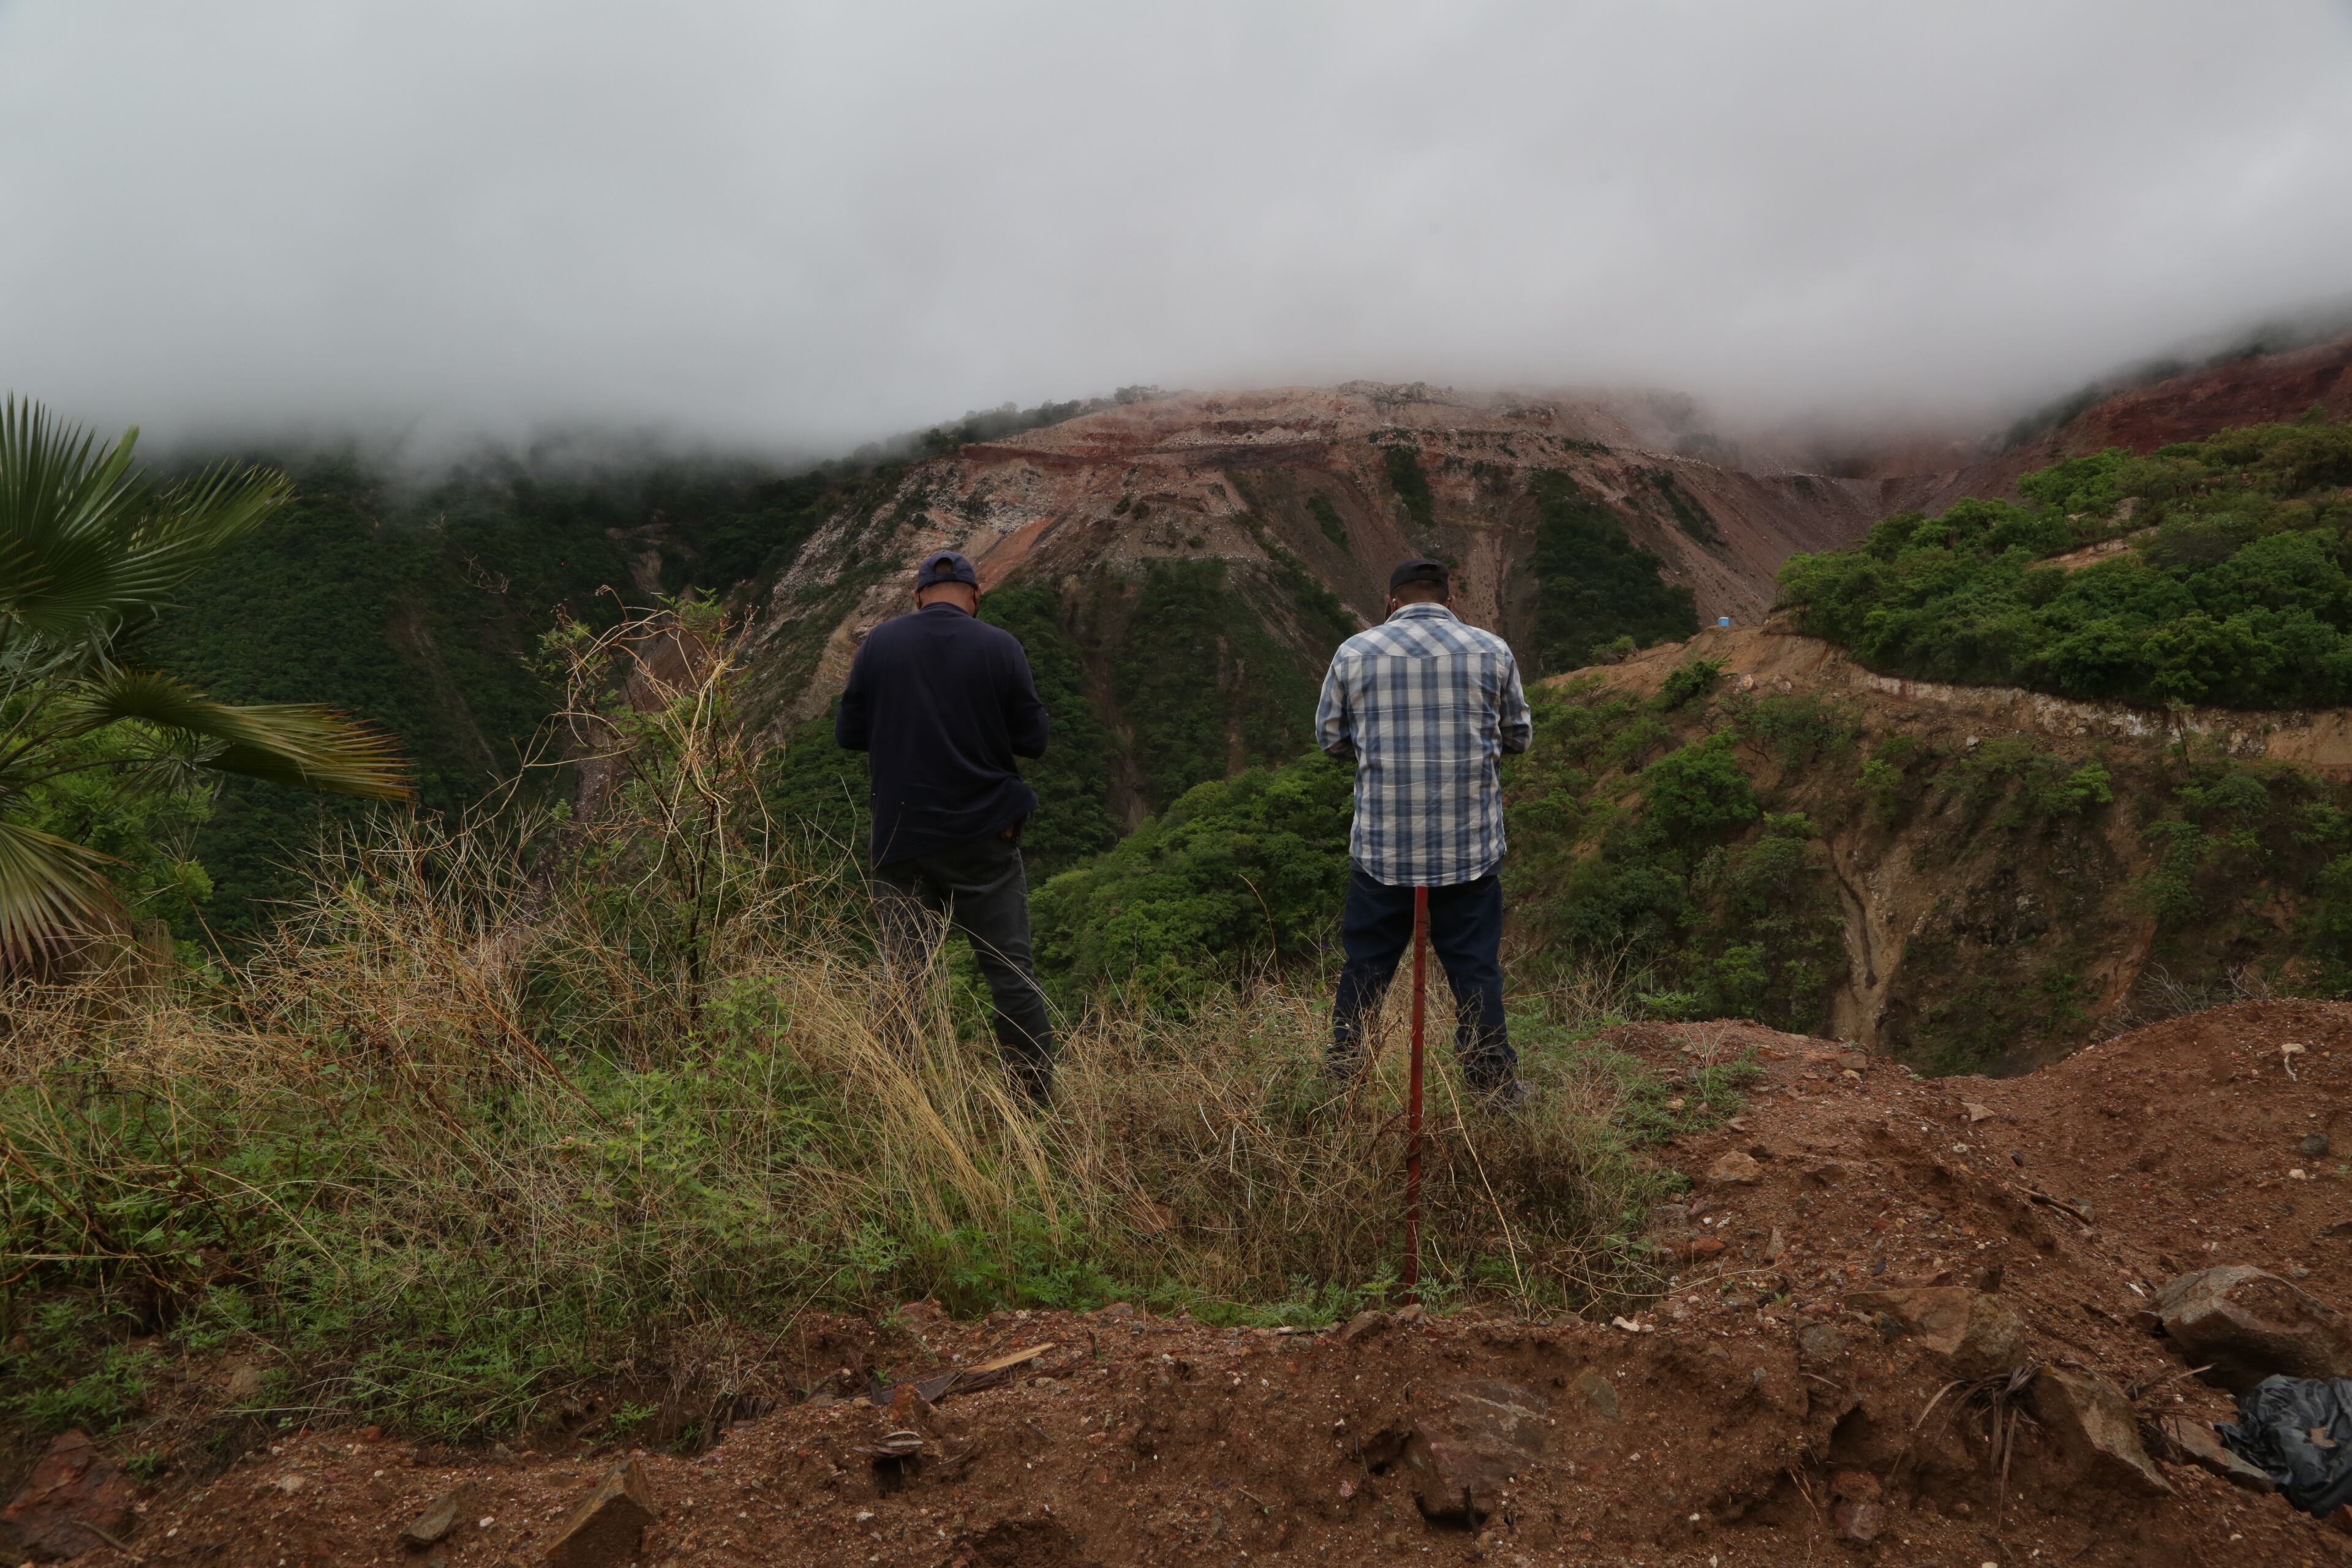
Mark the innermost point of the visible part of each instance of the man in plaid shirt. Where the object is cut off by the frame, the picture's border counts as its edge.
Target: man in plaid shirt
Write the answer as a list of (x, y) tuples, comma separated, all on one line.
[(1425, 705)]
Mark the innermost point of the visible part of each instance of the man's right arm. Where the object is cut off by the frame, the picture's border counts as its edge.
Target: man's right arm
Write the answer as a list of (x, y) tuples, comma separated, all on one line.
[(1514, 726), (853, 723), (1025, 721), (1335, 726)]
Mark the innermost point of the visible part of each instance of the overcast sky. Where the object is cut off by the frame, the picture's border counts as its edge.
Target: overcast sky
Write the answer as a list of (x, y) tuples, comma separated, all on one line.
[(800, 224)]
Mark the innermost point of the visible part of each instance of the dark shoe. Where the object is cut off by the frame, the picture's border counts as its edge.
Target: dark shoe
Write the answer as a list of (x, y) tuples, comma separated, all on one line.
[(1033, 1083), (1502, 1099)]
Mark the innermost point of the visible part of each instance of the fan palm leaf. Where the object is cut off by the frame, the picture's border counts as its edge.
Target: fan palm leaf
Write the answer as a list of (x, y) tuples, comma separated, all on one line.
[(87, 548), (85, 543), (310, 748), (51, 890)]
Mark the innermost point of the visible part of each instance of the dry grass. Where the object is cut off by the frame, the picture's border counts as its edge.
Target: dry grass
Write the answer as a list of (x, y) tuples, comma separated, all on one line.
[(497, 1111)]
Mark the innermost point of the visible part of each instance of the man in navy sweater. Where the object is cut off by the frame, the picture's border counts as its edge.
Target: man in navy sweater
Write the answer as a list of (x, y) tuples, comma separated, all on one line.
[(942, 702)]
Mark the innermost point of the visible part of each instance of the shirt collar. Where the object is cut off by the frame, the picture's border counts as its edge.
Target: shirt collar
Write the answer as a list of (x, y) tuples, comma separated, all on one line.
[(947, 604), (1423, 610)]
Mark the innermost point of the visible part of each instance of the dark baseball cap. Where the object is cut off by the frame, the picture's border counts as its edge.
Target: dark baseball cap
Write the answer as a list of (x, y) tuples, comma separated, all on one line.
[(944, 566), (1421, 569)]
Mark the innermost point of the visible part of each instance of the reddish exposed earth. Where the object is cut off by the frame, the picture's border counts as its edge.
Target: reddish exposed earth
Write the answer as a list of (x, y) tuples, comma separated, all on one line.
[(2188, 406), (1773, 1407)]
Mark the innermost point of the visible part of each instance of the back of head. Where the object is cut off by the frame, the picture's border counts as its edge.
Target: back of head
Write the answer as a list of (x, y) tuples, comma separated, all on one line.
[(1421, 581), (945, 574)]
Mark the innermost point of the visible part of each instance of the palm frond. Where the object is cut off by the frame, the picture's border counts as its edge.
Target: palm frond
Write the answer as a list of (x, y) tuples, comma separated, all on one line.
[(52, 890), (314, 748), (86, 543)]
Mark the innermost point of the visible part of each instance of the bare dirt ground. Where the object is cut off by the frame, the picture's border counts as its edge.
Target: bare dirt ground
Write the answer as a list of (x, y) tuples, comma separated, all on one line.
[(1762, 1412)]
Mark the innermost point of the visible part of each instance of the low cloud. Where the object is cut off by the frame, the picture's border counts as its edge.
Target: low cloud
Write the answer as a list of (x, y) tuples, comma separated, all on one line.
[(797, 227)]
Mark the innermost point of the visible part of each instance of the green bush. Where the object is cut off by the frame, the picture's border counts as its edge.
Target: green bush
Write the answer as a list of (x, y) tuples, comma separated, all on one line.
[(1239, 871), (1696, 792), (1692, 677), (1699, 901), (1689, 515), (1327, 518), (2044, 785), (2236, 591), (1199, 679)]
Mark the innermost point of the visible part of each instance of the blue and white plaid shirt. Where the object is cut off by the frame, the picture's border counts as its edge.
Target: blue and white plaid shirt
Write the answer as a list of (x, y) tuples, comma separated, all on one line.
[(1425, 705)]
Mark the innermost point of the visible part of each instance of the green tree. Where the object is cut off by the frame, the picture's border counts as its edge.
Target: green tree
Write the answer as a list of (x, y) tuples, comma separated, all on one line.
[(1595, 586), (90, 552), (1250, 868)]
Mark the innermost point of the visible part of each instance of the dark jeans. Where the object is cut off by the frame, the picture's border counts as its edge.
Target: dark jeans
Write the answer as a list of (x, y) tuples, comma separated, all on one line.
[(980, 888), (1465, 926)]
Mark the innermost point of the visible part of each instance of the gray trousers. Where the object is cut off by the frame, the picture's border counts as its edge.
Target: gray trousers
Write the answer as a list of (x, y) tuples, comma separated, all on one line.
[(980, 888)]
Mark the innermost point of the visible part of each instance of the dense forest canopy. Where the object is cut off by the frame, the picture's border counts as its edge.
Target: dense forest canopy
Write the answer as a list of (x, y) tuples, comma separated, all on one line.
[(417, 603)]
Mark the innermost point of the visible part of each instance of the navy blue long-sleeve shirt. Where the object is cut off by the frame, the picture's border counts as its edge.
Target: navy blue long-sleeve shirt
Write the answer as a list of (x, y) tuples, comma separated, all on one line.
[(941, 702)]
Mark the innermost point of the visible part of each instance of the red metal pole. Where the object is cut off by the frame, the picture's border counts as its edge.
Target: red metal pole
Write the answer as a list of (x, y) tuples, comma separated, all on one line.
[(1412, 1101)]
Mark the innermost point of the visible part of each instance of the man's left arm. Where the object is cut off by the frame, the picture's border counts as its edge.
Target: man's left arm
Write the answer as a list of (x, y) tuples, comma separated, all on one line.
[(1516, 724)]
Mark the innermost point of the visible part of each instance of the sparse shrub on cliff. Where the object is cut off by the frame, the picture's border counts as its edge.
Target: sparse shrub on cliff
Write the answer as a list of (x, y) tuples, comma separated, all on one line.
[(1411, 484), (1594, 586)]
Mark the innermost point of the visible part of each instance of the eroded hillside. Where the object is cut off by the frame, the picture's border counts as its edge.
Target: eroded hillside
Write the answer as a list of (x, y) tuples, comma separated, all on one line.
[(1570, 524), (1967, 877), (1194, 557)]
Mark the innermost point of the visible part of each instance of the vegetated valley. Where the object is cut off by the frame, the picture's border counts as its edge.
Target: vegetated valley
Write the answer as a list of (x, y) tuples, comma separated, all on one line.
[(458, 1157)]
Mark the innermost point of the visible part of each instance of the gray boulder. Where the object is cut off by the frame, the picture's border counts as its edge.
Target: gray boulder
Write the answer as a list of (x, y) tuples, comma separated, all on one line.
[(2248, 1325)]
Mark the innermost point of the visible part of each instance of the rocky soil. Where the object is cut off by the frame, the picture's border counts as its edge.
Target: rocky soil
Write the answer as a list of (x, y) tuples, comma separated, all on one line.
[(1912, 1322)]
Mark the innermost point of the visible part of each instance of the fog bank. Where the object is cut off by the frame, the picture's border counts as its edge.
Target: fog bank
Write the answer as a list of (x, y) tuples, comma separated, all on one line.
[(797, 227)]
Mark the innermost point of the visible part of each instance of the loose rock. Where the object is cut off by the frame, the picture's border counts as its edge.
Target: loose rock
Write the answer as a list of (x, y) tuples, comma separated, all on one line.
[(1860, 1522), (1980, 1333), (609, 1525), (76, 1501), (434, 1525), (2094, 1425), (1738, 1169), (2194, 1443), (1821, 1341), (2248, 1324), (1467, 1445)]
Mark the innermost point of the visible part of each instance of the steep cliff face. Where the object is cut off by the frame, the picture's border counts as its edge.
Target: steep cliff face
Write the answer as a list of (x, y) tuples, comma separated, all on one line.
[(1296, 498)]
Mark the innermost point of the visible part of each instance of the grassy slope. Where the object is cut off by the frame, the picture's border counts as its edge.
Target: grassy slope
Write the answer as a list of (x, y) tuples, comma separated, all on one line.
[(441, 1180)]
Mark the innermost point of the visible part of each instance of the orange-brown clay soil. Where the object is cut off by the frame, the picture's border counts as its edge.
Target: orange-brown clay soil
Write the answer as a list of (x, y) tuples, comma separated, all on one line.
[(1752, 1416)]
